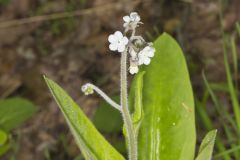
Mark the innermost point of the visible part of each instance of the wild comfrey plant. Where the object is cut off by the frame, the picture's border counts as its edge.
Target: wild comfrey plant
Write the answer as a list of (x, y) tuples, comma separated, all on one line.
[(158, 113), (140, 52)]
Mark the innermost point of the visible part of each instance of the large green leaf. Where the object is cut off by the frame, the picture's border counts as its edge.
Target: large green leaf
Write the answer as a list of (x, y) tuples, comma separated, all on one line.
[(167, 131), (206, 148), (90, 141), (14, 111)]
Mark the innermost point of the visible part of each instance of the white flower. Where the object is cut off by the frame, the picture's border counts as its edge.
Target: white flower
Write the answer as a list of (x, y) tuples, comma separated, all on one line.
[(133, 69), (87, 89), (133, 54), (117, 41), (132, 19), (145, 55)]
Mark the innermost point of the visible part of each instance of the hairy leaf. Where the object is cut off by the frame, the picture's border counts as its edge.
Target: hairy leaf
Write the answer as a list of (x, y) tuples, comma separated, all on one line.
[(92, 144)]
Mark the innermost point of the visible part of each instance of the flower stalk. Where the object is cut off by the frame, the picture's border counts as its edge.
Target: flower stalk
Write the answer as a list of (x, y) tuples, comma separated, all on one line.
[(131, 139), (88, 88), (140, 53)]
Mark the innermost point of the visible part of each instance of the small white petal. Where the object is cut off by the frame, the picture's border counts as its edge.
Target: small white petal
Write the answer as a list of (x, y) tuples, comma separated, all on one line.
[(113, 46), (112, 39), (133, 14), (151, 52), (84, 88), (142, 54), (126, 19), (124, 40), (146, 49), (125, 25), (135, 17), (140, 61), (146, 61), (121, 48), (133, 54), (133, 69), (118, 35)]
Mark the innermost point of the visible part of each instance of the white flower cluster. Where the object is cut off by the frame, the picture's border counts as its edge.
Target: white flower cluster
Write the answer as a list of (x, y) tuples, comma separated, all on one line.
[(87, 89), (140, 52)]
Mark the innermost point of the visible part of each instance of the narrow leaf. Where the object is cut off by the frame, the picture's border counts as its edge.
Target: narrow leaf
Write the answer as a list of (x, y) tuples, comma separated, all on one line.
[(206, 148), (92, 144), (233, 94), (238, 28), (135, 102), (138, 114)]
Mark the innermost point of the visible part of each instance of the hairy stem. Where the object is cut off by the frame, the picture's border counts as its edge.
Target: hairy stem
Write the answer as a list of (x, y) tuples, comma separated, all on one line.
[(104, 96), (131, 139)]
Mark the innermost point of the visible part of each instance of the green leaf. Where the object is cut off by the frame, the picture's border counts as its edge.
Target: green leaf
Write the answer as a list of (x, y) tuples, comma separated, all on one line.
[(206, 148), (138, 114), (3, 137), (14, 111), (92, 144), (135, 103), (107, 119), (167, 131)]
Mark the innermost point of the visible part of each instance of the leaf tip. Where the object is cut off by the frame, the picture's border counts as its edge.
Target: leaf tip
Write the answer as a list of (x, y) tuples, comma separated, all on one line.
[(45, 77)]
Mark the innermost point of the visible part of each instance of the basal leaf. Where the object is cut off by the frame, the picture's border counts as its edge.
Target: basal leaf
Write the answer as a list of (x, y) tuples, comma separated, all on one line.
[(14, 111), (92, 144), (167, 131), (206, 148)]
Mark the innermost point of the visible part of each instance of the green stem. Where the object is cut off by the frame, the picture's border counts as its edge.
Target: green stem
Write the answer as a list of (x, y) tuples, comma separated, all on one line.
[(131, 139)]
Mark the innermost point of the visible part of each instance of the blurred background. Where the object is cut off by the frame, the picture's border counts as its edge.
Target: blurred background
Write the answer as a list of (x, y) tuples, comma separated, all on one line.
[(67, 41)]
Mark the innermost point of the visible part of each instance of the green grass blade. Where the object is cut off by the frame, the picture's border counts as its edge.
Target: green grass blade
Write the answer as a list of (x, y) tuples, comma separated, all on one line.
[(222, 154), (206, 121), (234, 56), (238, 28), (230, 138), (221, 110), (233, 94)]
